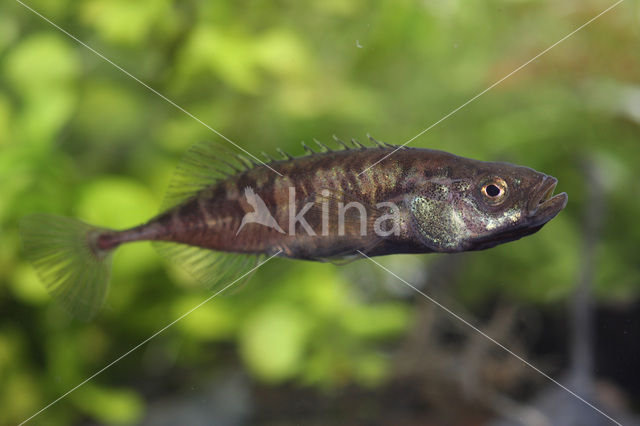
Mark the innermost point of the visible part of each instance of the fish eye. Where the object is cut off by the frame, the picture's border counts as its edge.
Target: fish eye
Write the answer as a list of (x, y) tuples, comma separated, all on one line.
[(494, 191)]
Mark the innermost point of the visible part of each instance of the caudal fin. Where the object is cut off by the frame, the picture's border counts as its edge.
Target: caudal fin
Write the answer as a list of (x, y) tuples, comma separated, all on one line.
[(67, 259)]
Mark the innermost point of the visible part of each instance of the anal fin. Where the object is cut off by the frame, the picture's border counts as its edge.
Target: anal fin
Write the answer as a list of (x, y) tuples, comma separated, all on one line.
[(214, 269)]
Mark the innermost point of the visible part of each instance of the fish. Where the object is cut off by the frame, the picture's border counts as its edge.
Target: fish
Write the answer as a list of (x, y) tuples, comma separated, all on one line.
[(223, 213)]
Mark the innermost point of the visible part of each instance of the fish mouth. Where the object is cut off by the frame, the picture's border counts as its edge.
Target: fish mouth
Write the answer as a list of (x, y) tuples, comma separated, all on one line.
[(544, 206)]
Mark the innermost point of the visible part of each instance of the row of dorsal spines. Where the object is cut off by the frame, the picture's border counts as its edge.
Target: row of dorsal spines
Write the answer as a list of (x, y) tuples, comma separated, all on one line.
[(322, 148), (245, 163)]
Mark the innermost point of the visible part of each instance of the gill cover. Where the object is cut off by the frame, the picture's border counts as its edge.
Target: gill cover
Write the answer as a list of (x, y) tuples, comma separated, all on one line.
[(438, 224)]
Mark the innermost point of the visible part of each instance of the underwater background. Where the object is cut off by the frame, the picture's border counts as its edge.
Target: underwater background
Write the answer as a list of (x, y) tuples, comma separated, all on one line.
[(311, 343)]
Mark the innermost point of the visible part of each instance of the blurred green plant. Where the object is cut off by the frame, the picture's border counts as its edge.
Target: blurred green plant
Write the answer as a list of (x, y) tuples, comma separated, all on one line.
[(78, 137)]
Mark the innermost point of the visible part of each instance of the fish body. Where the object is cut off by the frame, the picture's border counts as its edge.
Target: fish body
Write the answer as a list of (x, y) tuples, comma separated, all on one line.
[(439, 198), (326, 206)]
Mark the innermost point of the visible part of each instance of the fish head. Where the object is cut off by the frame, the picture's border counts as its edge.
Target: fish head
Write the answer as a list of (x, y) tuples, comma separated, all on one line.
[(476, 205)]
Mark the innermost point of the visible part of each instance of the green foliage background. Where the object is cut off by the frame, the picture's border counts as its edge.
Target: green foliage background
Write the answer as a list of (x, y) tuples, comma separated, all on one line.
[(78, 137)]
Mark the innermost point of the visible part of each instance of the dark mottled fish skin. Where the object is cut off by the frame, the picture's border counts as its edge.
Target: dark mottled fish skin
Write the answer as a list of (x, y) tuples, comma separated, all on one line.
[(439, 196)]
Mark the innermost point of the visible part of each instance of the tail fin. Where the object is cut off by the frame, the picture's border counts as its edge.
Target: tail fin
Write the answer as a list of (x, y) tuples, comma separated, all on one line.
[(68, 260)]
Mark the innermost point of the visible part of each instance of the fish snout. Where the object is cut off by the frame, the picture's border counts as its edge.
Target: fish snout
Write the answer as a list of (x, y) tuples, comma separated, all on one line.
[(543, 205)]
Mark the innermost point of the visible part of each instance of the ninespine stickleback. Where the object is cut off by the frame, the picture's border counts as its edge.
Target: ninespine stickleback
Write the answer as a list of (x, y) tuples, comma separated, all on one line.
[(222, 214)]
